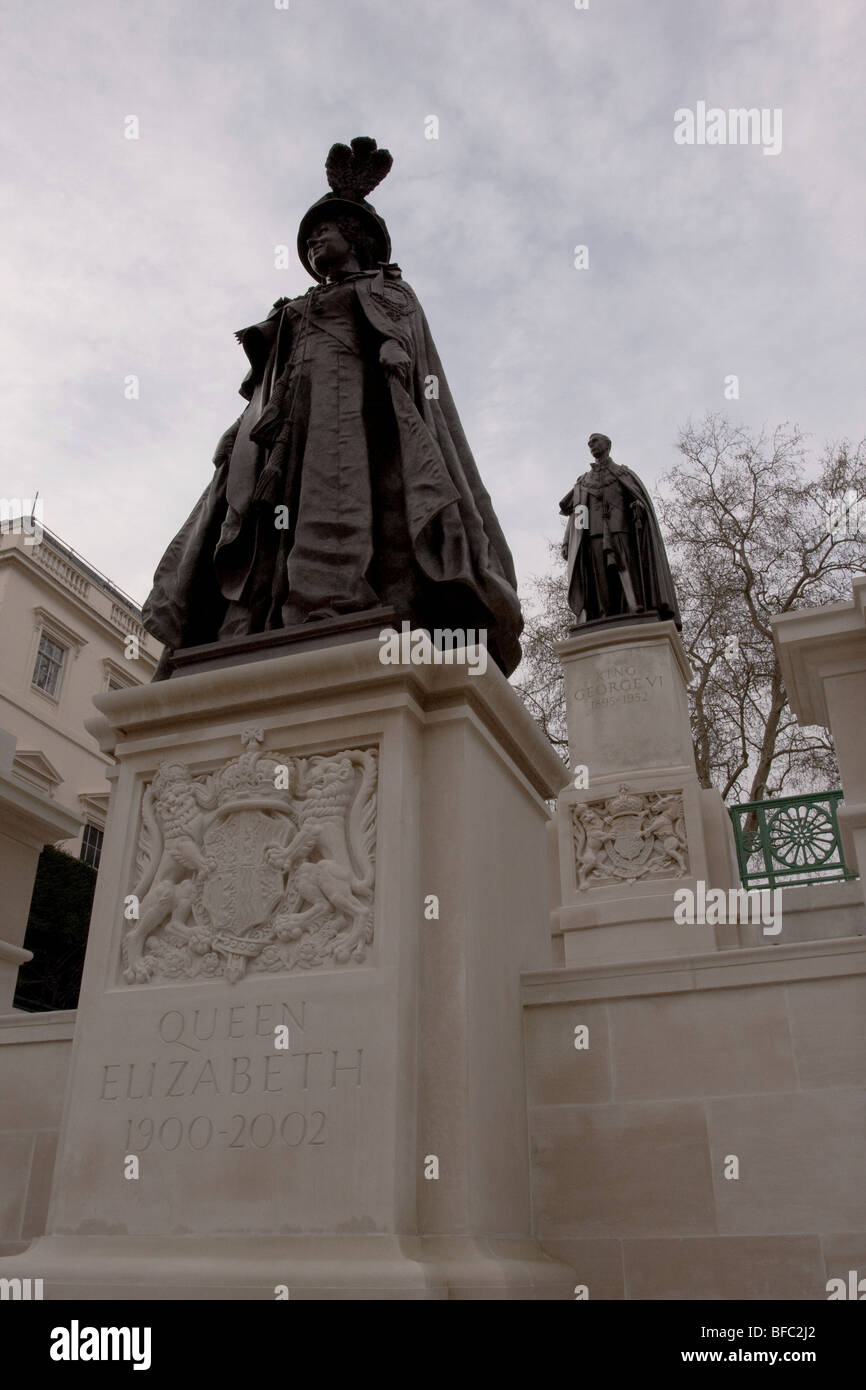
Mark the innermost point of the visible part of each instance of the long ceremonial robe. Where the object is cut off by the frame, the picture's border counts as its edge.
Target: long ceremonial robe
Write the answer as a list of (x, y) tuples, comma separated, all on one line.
[(655, 585), (379, 495)]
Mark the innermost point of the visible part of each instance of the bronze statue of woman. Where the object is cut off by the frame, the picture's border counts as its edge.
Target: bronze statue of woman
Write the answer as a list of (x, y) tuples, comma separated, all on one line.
[(347, 483)]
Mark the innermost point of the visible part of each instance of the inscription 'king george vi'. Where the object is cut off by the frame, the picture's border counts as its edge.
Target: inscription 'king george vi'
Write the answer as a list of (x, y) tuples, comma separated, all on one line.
[(267, 864), (619, 685)]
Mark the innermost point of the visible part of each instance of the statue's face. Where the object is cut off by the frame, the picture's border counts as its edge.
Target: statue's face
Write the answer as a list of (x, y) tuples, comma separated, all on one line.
[(598, 446), (327, 248)]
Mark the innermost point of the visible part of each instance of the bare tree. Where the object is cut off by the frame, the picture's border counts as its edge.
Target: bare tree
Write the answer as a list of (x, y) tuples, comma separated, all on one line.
[(539, 676), (752, 530)]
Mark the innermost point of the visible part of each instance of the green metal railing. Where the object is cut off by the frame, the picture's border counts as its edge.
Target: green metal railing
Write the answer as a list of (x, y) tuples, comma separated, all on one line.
[(793, 841)]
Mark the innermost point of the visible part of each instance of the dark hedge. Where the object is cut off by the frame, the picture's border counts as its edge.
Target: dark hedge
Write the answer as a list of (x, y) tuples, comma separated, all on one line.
[(56, 932)]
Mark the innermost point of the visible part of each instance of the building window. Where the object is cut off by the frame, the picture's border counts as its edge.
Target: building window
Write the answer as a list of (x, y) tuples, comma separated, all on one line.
[(49, 666), (117, 675), (91, 845)]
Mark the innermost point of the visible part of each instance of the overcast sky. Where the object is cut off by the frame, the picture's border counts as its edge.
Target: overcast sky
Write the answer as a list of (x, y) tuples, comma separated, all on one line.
[(556, 129)]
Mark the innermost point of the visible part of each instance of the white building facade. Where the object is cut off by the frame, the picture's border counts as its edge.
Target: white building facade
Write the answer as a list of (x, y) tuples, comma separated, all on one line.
[(66, 633)]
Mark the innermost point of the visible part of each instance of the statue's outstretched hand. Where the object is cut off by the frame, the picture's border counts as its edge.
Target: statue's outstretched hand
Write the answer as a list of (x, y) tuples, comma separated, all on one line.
[(394, 360)]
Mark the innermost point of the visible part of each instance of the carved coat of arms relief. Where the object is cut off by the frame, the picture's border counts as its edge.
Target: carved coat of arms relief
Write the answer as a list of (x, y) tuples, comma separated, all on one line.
[(628, 837), (267, 864)]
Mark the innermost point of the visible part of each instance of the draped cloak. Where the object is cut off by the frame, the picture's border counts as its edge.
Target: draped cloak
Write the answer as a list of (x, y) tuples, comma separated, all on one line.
[(381, 499), (655, 585)]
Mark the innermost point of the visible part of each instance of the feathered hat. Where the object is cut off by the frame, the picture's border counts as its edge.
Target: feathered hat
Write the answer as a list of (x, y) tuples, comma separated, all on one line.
[(352, 173)]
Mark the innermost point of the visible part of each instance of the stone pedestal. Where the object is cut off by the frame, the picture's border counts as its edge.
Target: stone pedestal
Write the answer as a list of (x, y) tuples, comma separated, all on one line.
[(635, 825), (822, 652), (298, 1057)]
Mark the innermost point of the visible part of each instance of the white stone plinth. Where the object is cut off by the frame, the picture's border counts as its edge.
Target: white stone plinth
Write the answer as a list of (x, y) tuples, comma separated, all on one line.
[(822, 653), (377, 899), (626, 705), (636, 825)]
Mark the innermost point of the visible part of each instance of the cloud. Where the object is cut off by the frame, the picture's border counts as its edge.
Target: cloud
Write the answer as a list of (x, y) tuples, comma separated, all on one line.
[(556, 128)]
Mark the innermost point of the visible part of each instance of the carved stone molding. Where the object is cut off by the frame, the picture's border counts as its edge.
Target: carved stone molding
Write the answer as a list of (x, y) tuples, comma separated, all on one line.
[(629, 837), (266, 864)]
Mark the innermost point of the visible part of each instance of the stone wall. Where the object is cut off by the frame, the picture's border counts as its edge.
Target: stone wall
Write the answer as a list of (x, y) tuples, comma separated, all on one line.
[(34, 1062), (757, 1053)]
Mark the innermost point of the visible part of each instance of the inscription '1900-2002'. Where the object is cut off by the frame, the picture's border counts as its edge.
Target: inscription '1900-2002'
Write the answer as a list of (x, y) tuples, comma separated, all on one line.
[(213, 1076)]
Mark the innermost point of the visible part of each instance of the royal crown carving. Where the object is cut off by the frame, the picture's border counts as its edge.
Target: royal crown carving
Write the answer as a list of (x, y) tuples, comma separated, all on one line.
[(266, 864)]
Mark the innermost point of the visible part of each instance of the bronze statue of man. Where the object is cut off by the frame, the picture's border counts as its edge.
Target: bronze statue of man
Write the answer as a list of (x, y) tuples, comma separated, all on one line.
[(347, 483), (617, 566)]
